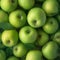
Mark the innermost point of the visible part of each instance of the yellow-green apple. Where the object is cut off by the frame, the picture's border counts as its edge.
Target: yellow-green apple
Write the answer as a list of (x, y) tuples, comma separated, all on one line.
[(36, 17), (9, 37), (27, 34), (17, 18)]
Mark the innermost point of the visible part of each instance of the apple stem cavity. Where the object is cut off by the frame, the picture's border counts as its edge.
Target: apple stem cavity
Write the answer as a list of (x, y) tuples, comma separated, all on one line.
[(20, 17), (12, 1), (27, 31), (16, 49), (58, 37), (8, 42), (34, 22), (39, 36), (51, 22)]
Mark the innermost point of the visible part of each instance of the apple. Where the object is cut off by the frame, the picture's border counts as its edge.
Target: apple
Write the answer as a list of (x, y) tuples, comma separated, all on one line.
[(2, 55), (50, 50), (36, 17), (3, 16), (9, 38), (43, 38), (34, 55), (27, 34), (17, 18), (19, 50), (50, 7), (56, 37), (51, 25), (12, 58), (26, 4), (9, 5)]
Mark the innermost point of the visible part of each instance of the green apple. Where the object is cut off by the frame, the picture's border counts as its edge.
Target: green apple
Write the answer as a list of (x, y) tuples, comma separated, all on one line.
[(42, 38), (34, 55), (51, 26), (36, 17), (28, 34), (9, 5), (50, 7), (56, 37), (50, 50), (26, 4), (12, 58), (3, 16), (9, 38), (17, 18), (19, 50), (6, 26), (2, 55)]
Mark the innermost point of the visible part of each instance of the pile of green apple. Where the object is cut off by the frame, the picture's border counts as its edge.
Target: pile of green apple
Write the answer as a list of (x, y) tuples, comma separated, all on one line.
[(29, 29)]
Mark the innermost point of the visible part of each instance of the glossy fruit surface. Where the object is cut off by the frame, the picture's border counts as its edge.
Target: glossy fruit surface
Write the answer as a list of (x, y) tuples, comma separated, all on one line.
[(19, 50), (8, 5), (56, 37), (17, 18), (10, 38), (51, 26), (26, 4), (43, 38), (50, 50), (50, 7), (28, 34), (3, 16), (36, 17), (12, 58), (34, 55), (2, 55)]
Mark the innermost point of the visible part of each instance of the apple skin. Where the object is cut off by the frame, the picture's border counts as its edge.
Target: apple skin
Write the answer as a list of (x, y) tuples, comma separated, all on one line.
[(36, 17), (26, 4), (17, 18), (56, 37), (2, 55), (9, 38), (34, 55), (19, 50), (9, 5), (51, 26), (50, 50), (12, 58), (27, 34), (3, 16), (43, 37), (50, 7)]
